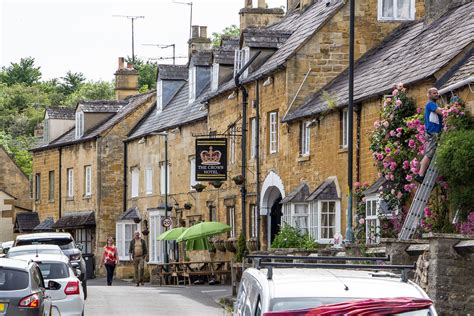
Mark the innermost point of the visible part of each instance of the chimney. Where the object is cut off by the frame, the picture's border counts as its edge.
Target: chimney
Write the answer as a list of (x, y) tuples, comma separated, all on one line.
[(291, 4), (305, 4), (198, 41), (126, 80), (259, 17), (436, 8)]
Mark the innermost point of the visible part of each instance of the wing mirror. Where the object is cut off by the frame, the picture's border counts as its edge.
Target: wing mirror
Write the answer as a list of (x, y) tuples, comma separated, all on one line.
[(53, 285), (77, 272), (80, 247)]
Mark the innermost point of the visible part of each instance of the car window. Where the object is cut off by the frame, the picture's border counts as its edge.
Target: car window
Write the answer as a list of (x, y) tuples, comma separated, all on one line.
[(13, 280), (54, 270), (291, 303), (14, 253), (36, 279), (241, 295), (63, 243)]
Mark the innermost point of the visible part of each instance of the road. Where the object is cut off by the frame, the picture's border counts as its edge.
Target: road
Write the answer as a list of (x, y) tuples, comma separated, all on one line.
[(123, 298)]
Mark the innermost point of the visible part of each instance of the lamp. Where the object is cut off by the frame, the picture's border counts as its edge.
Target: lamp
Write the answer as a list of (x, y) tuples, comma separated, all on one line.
[(231, 96), (268, 82)]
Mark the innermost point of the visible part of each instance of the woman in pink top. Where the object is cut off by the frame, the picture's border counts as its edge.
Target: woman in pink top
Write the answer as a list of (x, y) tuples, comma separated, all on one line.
[(109, 259)]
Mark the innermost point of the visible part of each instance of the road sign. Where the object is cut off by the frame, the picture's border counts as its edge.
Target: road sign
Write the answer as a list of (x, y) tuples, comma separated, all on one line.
[(166, 222)]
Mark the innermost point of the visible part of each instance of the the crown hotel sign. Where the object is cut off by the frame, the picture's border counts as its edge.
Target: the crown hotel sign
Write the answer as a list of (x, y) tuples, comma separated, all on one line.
[(211, 159)]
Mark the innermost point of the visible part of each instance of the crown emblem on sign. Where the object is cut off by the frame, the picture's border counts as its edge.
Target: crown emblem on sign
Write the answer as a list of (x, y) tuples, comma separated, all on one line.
[(211, 157)]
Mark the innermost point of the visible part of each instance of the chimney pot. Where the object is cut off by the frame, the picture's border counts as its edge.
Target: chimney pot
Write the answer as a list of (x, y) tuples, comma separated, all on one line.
[(129, 66), (262, 4), (194, 31), (248, 4), (203, 31), (120, 62)]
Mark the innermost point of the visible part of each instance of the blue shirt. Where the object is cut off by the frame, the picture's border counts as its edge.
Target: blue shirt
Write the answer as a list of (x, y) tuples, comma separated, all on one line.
[(433, 121)]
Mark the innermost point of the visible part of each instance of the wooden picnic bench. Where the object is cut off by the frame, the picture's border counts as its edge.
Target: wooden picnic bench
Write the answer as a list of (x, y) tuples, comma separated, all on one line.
[(189, 269)]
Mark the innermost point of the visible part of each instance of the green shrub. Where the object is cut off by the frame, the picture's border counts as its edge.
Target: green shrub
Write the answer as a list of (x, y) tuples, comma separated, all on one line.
[(241, 248), (292, 237)]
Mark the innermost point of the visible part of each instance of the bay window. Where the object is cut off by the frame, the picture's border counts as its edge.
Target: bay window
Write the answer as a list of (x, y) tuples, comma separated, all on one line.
[(124, 235)]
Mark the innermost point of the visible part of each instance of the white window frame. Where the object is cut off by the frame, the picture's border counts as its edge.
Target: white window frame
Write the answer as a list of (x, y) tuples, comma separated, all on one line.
[(192, 83), (70, 182), (37, 186), (345, 128), (46, 130), (394, 16), (233, 143), (156, 248), (149, 180), (372, 220), (159, 95), (192, 173), (135, 175), (290, 216), (241, 57), (79, 124), (337, 227), (84, 236), (253, 139), (88, 181), (215, 77), (121, 239), (162, 179), (273, 132), (231, 214), (51, 185), (305, 138), (253, 220)]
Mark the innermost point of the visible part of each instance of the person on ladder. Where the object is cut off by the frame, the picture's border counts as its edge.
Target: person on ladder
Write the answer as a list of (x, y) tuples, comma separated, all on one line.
[(433, 118)]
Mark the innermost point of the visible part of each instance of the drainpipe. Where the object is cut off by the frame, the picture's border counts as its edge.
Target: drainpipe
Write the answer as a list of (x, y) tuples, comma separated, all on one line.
[(358, 130), (60, 149), (125, 167), (98, 150), (257, 157), (243, 188)]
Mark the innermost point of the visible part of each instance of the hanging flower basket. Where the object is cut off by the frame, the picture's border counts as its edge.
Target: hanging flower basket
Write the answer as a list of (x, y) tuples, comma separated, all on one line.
[(252, 244), (188, 205), (212, 247), (216, 184), (231, 244), (199, 187), (219, 244), (137, 220), (145, 232), (238, 179)]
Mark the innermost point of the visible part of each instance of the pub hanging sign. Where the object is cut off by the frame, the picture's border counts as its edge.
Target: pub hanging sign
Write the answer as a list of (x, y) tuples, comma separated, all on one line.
[(211, 159)]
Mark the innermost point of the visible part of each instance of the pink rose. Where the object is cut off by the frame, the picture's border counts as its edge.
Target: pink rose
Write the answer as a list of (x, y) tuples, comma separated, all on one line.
[(388, 99), (419, 110), (411, 143), (392, 133), (427, 212), (398, 103), (395, 92), (406, 165), (409, 178), (362, 221), (399, 129), (376, 124), (385, 124), (400, 85), (399, 195), (387, 150), (357, 185)]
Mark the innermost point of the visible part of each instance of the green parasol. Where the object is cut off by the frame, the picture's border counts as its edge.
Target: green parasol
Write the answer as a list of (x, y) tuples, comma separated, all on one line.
[(171, 234), (203, 229)]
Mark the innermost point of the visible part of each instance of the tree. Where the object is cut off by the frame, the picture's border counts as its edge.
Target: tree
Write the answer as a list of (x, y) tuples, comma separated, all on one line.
[(92, 90), (71, 82), (23, 72), (17, 148), (146, 73), (230, 31)]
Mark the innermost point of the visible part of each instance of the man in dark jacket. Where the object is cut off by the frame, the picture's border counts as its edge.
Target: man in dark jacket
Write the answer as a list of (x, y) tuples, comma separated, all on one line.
[(138, 253)]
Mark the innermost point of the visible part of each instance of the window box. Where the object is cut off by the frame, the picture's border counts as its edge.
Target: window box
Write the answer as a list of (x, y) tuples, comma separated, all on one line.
[(252, 244), (239, 180), (199, 187), (219, 244), (188, 205), (231, 244), (216, 184)]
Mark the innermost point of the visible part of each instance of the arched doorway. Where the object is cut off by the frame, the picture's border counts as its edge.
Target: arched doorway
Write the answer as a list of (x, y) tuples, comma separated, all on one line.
[(272, 193)]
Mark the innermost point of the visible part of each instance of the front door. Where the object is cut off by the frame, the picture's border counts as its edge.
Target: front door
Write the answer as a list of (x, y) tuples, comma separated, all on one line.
[(275, 218)]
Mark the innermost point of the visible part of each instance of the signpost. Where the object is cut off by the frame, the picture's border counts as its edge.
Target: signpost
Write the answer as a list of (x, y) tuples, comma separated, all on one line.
[(166, 222), (211, 159)]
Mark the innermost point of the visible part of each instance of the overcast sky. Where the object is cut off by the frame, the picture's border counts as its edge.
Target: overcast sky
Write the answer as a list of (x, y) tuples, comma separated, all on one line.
[(83, 36)]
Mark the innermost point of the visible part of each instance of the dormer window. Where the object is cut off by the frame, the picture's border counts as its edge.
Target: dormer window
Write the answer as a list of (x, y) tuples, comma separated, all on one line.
[(192, 84), (79, 124), (215, 77), (399, 10), (241, 57), (159, 95)]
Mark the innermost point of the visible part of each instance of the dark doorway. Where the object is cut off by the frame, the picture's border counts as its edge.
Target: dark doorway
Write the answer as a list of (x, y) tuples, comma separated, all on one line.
[(275, 218)]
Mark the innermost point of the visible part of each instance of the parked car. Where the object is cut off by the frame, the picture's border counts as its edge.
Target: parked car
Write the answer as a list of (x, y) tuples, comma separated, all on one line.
[(34, 249), (67, 293), (5, 246), (65, 241), (284, 291), (22, 289)]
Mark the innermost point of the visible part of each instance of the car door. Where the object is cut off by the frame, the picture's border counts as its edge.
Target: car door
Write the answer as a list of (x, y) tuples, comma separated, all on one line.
[(38, 286)]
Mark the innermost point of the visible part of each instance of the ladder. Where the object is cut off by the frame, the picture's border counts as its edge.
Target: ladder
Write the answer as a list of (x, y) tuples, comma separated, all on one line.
[(415, 214)]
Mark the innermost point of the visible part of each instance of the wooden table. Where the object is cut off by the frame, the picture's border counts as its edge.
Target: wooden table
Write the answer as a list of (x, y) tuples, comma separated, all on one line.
[(188, 269)]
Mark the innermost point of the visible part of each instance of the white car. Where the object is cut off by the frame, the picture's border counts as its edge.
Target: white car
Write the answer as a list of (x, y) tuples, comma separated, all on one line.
[(276, 290), (66, 291), (33, 250)]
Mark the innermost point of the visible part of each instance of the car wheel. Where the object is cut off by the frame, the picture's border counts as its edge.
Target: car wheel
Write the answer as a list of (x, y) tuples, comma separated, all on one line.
[(84, 288)]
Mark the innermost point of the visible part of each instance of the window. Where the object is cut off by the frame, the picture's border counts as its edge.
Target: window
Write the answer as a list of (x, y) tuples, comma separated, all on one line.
[(215, 77), (192, 84), (70, 182), (344, 128), (159, 95), (87, 181), (396, 9), (51, 186), (273, 132), (79, 124), (84, 236), (253, 139), (253, 221), (231, 220), (46, 130), (328, 219), (149, 180), (124, 231), (304, 138), (241, 57), (192, 172), (37, 187), (372, 223), (135, 182), (297, 215), (156, 246), (162, 179), (233, 142)]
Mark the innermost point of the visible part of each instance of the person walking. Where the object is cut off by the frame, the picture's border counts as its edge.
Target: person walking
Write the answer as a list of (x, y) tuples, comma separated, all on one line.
[(138, 252), (110, 259), (433, 118)]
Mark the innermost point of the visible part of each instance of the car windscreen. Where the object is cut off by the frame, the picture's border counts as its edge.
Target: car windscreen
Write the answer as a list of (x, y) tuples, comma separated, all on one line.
[(291, 303), (54, 270), (13, 280), (63, 243), (15, 253)]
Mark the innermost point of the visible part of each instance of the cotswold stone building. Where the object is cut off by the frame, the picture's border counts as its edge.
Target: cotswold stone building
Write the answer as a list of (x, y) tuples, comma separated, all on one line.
[(79, 174)]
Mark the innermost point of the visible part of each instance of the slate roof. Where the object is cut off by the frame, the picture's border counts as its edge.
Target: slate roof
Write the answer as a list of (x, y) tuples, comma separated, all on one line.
[(326, 191), (76, 220), (69, 137), (201, 58), (101, 106), (178, 112), (45, 226), (25, 222), (297, 195), (412, 52), (130, 214), (263, 38), (463, 72), (61, 113), (172, 72)]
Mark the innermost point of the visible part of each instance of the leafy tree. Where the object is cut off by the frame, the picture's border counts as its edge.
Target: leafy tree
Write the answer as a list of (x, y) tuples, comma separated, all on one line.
[(18, 149), (72, 81), (146, 73), (23, 72), (230, 31), (92, 90)]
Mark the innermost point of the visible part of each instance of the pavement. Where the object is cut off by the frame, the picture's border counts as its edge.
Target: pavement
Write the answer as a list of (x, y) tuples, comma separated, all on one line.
[(124, 298)]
